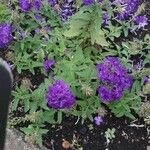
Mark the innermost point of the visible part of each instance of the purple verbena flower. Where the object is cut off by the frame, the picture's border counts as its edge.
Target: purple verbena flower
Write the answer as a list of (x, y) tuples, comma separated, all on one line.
[(98, 120), (38, 17), (53, 2), (66, 12), (60, 96), (147, 79), (65, 9), (25, 5), (106, 18), (141, 21), (48, 64), (109, 94), (129, 7), (37, 4), (115, 79), (5, 35), (88, 2)]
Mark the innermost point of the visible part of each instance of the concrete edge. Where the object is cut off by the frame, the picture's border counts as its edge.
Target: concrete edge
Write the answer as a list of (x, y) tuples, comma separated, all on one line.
[(15, 141)]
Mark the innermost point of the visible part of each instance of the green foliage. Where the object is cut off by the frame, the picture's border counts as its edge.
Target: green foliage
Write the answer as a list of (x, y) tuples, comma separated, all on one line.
[(129, 104), (31, 100), (145, 112), (24, 62), (145, 109), (21, 94), (4, 13), (86, 24), (141, 73), (34, 134), (146, 88)]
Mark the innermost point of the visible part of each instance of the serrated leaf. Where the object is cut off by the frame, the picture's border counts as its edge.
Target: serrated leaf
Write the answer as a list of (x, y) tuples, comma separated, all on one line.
[(98, 37)]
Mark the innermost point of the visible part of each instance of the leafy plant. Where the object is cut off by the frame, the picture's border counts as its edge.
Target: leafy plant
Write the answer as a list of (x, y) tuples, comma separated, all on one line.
[(24, 62), (34, 134), (86, 24), (4, 13), (110, 134)]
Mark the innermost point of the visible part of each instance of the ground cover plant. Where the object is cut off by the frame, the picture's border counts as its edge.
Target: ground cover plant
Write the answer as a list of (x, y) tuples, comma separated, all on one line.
[(81, 70)]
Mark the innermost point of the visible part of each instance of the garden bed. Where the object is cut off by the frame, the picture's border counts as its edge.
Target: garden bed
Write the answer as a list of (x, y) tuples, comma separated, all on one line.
[(55, 50)]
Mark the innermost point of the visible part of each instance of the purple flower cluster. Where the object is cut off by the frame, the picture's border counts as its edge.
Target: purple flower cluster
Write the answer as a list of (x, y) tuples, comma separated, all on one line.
[(114, 78), (88, 2), (106, 18), (60, 96), (53, 2), (48, 64), (65, 9), (38, 17), (129, 7), (27, 5), (98, 120), (141, 21), (5, 35), (147, 79)]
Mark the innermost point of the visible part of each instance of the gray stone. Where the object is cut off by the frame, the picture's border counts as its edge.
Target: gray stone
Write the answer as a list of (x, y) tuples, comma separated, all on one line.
[(14, 141), (148, 147)]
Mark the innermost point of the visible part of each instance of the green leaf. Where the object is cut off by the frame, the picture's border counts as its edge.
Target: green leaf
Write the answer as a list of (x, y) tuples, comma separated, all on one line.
[(98, 37), (59, 117)]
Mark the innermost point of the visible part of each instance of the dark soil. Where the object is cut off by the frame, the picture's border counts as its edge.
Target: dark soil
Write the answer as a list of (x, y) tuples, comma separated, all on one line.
[(127, 137)]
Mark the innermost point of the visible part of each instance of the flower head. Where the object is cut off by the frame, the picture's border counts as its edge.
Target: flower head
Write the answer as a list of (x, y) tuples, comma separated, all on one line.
[(64, 9), (106, 18), (109, 94), (129, 7), (5, 35), (53, 2), (98, 120), (38, 17), (141, 21), (115, 79), (60, 96), (88, 2), (37, 4), (48, 64), (147, 79), (25, 5)]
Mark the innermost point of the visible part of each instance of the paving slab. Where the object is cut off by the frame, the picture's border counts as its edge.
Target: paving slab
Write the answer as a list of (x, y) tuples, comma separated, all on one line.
[(15, 141)]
